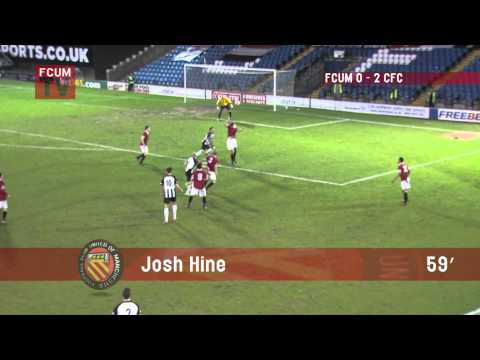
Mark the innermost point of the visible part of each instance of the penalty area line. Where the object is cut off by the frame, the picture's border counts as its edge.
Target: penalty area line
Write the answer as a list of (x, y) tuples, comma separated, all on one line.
[(429, 128), (283, 176), (393, 172), (40, 147), (288, 128), (319, 124), (106, 147), (114, 148), (263, 125), (292, 128), (313, 116)]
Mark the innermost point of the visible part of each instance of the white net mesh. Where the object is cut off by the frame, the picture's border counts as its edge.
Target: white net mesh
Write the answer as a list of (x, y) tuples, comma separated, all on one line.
[(241, 80)]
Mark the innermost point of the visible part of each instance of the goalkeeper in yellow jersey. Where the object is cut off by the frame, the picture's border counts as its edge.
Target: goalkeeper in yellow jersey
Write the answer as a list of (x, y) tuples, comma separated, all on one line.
[(224, 102)]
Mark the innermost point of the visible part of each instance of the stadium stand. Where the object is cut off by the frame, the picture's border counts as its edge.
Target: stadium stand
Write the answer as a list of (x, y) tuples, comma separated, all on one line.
[(352, 56), (309, 59), (467, 94), (168, 70), (326, 52), (407, 59), (8, 70), (5, 61)]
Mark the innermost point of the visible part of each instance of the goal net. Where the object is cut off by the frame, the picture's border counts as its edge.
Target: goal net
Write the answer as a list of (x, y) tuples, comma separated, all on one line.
[(241, 84)]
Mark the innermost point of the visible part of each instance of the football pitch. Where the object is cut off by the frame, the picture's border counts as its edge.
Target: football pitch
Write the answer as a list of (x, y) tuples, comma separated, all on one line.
[(305, 178)]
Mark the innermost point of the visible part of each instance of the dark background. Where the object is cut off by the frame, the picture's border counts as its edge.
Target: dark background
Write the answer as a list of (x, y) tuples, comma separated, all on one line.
[(101, 58), (107, 55)]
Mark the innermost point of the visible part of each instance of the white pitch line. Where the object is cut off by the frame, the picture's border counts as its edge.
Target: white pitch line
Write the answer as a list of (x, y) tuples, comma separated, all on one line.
[(355, 181), (104, 98), (107, 147), (409, 126), (288, 128), (264, 125), (474, 312), (284, 176), (139, 110), (9, 88), (51, 147), (341, 119), (319, 124), (244, 169), (240, 122), (311, 115), (104, 106), (392, 172), (93, 95)]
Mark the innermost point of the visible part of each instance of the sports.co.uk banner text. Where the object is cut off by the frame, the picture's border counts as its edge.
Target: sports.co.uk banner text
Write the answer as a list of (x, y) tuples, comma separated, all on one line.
[(49, 54)]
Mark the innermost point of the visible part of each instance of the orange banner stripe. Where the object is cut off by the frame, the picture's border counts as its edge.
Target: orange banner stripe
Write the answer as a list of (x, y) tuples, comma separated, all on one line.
[(270, 264)]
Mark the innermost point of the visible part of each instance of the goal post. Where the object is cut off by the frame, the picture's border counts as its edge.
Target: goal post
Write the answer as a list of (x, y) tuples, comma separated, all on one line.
[(244, 84)]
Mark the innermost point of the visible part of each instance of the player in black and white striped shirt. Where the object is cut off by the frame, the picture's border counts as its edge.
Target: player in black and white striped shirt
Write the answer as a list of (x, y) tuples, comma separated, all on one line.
[(127, 306), (190, 164), (169, 188)]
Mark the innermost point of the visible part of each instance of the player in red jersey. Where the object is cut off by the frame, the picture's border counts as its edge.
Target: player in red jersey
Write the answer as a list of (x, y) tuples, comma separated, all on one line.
[(199, 180), (144, 145), (3, 199), (212, 163), (232, 145), (404, 175)]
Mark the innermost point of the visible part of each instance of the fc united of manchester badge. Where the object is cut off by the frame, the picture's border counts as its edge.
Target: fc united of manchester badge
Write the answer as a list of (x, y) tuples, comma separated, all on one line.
[(100, 264)]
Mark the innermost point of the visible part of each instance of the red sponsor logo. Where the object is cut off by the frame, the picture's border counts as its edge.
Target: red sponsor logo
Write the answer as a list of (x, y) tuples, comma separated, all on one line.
[(142, 89), (254, 99), (235, 97), (55, 81)]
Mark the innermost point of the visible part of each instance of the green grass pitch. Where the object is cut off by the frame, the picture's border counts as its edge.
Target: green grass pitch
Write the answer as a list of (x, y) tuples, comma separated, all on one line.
[(307, 178)]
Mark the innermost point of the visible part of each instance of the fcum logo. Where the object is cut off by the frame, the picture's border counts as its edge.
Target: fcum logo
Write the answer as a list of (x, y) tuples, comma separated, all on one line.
[(55, 81), (100, 264)]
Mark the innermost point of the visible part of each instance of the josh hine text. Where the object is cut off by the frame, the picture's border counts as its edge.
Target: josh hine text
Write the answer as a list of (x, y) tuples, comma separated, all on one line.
[(196, 264)]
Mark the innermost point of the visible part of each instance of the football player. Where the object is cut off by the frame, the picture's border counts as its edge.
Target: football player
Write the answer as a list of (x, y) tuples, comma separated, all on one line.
[(404, 175), (224, 103)]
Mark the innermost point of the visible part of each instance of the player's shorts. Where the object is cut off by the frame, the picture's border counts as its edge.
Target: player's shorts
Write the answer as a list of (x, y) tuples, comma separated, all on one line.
[(4, 205), (188, 175), (198, 192), (212, 175), (226, 107), (144, 149), (231, 144), (405, 185), (169, 200)]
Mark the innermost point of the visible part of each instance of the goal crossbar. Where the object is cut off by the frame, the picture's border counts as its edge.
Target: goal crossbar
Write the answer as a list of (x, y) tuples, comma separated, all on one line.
[(221, 69), (225, 67)]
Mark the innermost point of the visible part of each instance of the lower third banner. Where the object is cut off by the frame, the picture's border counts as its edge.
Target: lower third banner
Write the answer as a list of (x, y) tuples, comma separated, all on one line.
[(271, 264)]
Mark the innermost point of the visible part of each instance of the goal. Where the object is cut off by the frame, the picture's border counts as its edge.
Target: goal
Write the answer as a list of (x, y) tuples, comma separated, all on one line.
[(243, 84)]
